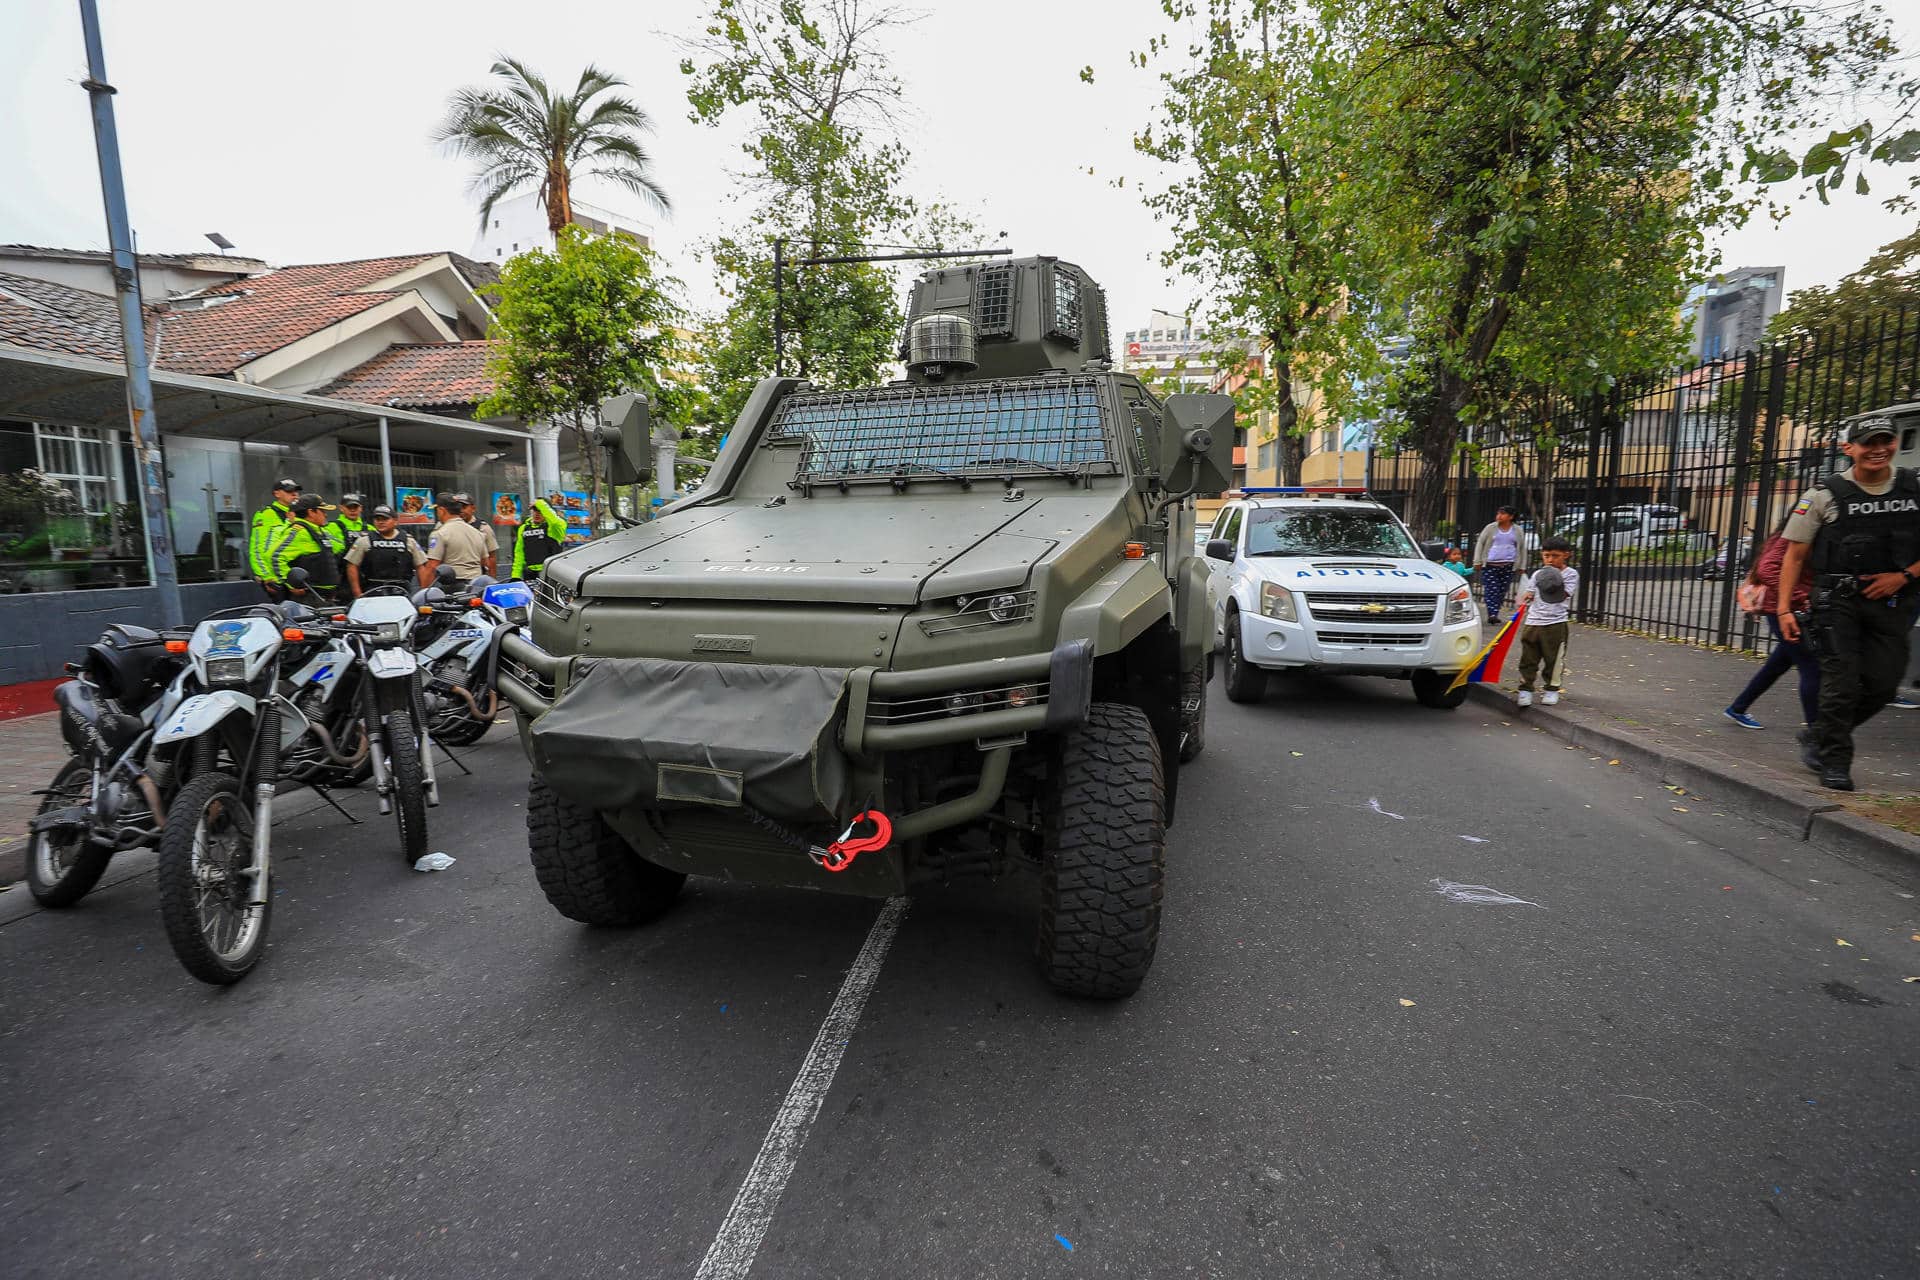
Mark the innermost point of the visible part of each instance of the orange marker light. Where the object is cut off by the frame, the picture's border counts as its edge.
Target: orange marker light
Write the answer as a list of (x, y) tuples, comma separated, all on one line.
[(475, 602), (426, 609), (292, 633), (1136, 551), (176, 646)]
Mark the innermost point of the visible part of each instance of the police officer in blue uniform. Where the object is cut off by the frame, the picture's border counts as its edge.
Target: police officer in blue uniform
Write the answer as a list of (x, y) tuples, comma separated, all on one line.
[(1857, 534)]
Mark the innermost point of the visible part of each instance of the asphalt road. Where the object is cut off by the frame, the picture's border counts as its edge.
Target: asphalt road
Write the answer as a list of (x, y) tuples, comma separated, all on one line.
[(1669, 1065)]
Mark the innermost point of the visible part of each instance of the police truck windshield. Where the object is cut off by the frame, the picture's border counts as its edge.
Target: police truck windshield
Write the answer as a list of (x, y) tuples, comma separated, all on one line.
[(1320, 531)]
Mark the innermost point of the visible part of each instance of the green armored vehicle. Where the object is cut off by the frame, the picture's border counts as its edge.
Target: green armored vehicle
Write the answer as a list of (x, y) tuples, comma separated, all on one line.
[(949, 626)]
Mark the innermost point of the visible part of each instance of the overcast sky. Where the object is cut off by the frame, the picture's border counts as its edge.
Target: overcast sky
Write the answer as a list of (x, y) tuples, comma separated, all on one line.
[(300, 131)]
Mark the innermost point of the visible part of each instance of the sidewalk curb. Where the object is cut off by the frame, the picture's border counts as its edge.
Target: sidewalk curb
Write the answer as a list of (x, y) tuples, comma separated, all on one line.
[(1801, 812)]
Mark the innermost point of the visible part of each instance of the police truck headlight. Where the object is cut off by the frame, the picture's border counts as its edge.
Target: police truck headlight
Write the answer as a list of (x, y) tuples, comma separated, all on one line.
[(1277, 602), (1460, 605)]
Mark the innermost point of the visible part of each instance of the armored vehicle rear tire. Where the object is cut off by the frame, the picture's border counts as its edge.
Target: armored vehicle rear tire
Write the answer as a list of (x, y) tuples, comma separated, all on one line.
[(1105, 855), (1430, 687), (1245, 682), (1193, 710), (587, 870)]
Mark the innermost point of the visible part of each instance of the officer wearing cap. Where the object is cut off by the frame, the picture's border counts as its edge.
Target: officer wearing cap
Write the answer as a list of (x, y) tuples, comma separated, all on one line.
[(302, 544), (266, 526), (1857, 533), (467, 513), (346, 526), (382, 556), (455, 543)]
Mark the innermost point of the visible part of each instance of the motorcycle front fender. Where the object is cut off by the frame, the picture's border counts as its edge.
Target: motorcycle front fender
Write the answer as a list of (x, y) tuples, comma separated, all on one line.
[(389, 664), (200, 713)]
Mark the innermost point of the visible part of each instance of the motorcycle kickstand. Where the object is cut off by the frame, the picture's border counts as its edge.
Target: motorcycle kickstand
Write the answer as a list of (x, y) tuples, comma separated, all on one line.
[(326, 794), (449, 753)]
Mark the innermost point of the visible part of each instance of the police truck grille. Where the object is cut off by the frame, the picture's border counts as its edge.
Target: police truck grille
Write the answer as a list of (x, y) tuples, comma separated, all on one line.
[(1327, 607), (1385, 639)]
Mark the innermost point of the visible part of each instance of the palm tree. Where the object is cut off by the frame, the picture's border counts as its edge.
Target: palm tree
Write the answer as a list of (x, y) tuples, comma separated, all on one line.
[(519, 134)]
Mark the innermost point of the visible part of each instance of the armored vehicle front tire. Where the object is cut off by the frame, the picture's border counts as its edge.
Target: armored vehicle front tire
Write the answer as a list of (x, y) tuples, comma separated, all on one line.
[(1105, 855), (587, 870), (1430, 687)]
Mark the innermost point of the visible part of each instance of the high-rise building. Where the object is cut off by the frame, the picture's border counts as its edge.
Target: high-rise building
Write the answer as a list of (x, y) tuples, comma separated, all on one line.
[(1730, 312)]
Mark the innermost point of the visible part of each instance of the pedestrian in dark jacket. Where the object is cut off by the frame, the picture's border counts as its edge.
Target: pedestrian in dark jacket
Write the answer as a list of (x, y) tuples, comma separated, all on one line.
[(1786, 653)]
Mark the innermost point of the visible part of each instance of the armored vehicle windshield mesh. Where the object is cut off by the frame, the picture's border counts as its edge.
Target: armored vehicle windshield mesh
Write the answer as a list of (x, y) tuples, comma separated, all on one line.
[(998, 428)]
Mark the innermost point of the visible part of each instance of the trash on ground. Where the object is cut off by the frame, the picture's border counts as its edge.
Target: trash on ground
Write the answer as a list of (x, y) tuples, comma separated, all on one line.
[(434, 862), (1064, 1242), (1405, 1003), (1373, 803), (1478, 893), (1473, 839), (1613, 762), (1841, 942)]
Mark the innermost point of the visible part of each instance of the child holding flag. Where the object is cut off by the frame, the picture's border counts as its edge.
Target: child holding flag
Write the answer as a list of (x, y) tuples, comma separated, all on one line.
[(1547, 595)]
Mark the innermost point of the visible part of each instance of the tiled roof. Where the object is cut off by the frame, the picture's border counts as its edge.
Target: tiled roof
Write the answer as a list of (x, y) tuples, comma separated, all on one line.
[(54, 317), (414, 375), (272, 310)]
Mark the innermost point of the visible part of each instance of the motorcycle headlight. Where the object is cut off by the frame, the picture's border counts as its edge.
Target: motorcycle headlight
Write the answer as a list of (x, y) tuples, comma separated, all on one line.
[(394, 632), (517, 616), (1460, 605), (226, 672), (1277, 602)]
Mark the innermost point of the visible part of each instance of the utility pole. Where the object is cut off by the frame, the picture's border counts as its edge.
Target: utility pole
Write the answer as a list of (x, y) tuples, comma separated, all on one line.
[(126, 287)]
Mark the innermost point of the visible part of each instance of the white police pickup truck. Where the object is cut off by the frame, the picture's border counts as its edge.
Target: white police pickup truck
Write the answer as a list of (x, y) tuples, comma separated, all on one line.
[(1329, 580)]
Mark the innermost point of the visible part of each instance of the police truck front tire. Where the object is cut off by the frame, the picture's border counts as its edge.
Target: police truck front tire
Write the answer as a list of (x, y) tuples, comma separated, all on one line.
[(1430, 687), (588, 872), (1245, 682), (1105, 855)]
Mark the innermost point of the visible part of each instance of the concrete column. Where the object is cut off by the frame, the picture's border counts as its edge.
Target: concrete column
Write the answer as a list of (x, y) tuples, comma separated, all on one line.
[(386, 467)]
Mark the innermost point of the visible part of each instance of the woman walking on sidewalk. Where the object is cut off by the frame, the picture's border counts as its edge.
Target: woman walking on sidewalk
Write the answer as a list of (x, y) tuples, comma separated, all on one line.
[(1765, 577), (1498, 553)]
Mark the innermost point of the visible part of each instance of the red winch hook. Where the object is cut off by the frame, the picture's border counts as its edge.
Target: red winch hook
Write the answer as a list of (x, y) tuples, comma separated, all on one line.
[(839, 855)]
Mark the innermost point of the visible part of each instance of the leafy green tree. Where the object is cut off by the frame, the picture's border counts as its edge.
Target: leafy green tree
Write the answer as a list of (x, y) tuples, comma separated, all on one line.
[(522, 133), (577, 326), (1249, 123), (1533, 181), (825, 176), (1886, 287)]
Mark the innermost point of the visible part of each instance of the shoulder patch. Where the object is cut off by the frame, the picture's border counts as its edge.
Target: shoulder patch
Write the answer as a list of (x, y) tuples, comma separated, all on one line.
[(1801, 507)]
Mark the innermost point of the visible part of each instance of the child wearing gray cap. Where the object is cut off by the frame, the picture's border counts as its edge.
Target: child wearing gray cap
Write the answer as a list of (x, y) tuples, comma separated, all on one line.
[(1548, 594)]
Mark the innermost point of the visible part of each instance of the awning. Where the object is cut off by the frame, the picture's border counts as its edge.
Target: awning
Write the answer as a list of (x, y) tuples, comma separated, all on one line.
[(54, 387)]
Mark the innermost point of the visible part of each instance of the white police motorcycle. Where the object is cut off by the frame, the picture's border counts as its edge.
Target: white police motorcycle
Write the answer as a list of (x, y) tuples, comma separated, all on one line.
[(279, 695), (460, 659)]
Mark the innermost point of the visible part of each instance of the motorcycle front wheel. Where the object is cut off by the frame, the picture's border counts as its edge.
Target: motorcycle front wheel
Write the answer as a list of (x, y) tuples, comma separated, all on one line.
[(64, 864), (409, 783), (205, 850)]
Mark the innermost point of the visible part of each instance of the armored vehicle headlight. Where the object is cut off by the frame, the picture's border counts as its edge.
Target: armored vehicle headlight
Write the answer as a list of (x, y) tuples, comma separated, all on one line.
[(1460, 605), (1277, 602), (961, 703), (1003, 608), (1021, 694)]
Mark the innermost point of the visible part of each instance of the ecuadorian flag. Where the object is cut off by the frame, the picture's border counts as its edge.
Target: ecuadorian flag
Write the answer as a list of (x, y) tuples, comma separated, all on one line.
[(1486, 667)]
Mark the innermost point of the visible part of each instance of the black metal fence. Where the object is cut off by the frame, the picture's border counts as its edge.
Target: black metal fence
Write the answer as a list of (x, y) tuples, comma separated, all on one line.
[(1668, 486)]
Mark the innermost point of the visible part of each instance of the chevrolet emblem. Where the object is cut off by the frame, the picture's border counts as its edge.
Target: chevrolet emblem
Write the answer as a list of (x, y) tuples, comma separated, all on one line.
[(1373, 606)]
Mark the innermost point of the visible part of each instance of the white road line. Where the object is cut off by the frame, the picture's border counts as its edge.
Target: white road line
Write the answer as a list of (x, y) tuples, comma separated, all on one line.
[(731, 1255)]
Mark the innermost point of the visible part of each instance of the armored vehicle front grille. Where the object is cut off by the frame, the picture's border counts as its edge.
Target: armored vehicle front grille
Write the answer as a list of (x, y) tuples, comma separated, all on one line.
[(527, 676), (1327, 607), (973, 429), (964, 702), (551, 598), (991, 609), (1388, 639)]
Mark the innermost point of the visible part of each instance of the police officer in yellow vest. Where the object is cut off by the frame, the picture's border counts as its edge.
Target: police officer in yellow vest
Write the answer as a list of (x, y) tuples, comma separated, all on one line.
[(303, 544), (345, 527), (267, 524), (540, 537)]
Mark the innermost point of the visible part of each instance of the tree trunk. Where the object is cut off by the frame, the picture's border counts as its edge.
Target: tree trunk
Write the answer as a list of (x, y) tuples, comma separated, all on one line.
[(1435, 439), (1286, 413), (559, 197)]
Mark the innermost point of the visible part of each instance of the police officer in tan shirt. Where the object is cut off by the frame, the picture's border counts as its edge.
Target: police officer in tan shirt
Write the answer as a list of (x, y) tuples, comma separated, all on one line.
[(455, 544)]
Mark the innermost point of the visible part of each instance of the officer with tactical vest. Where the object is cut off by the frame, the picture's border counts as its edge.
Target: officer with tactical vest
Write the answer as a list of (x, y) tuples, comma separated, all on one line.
[(267, 524), (540, 537), (383, 556), (303, 544), (1857, 534)]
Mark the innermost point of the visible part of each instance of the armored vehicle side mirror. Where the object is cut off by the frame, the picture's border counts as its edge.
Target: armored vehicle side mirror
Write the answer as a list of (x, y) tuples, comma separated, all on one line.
[(1198, 431), (1220, 549), (626, 433), (1434, 551)]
